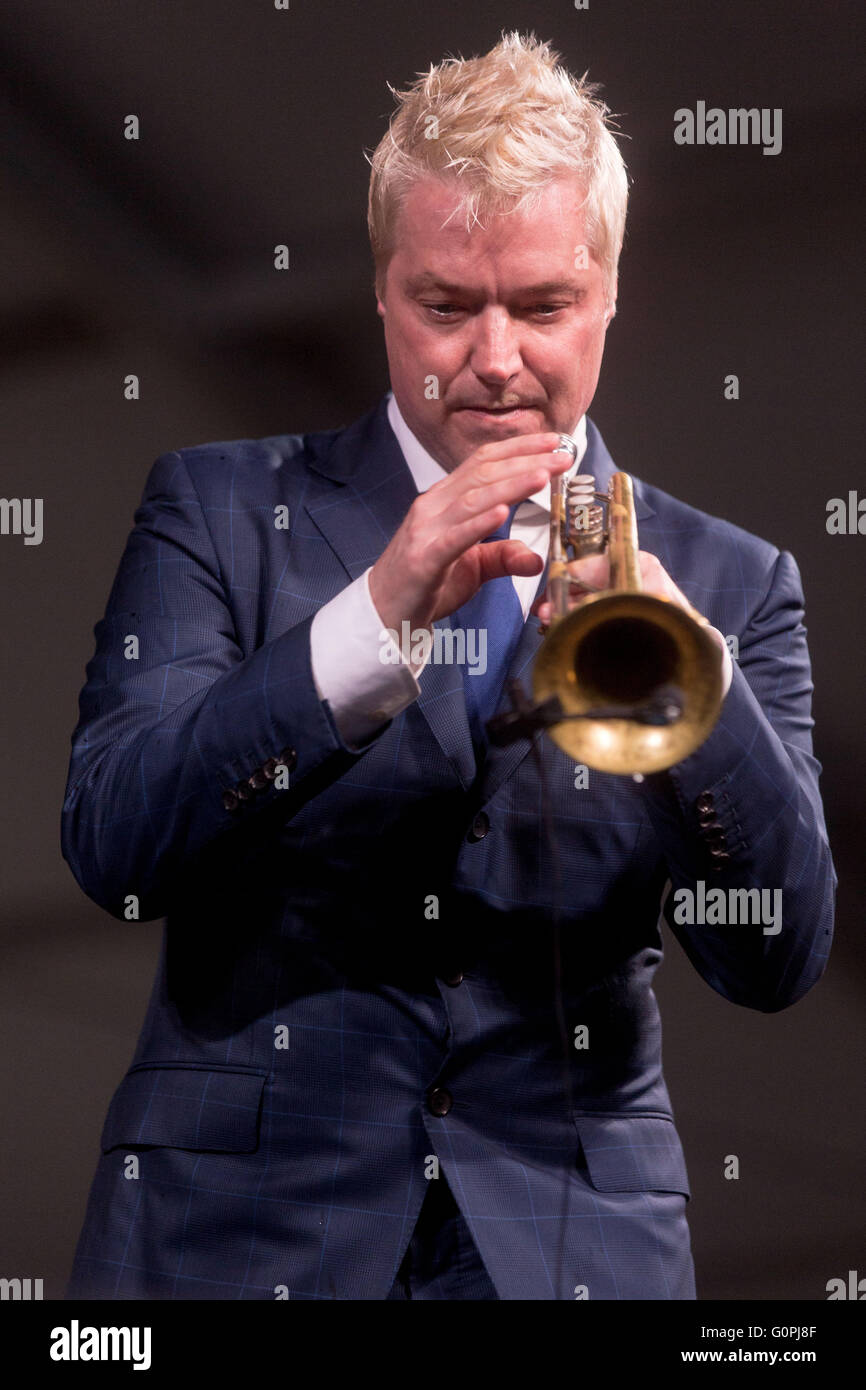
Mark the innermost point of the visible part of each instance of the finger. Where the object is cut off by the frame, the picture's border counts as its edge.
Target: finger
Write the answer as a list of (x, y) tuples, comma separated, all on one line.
[(491, 461), (592, 572), (519, 481), (472, 511), (518, 485), (467, 522), (543, 607), (496, 449), (495, 470), (448, 543), (508, 557), (506, 481)]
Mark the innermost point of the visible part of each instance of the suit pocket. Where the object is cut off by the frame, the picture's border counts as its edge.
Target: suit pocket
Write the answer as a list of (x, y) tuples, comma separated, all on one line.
[(632, 1153), (183, 1106)]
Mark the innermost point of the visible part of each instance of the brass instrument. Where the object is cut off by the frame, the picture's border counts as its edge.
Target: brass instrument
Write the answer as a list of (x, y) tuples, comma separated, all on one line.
[(625, 682)]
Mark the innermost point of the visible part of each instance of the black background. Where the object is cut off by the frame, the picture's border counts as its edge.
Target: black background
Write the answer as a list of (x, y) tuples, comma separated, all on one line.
[(155, 257)]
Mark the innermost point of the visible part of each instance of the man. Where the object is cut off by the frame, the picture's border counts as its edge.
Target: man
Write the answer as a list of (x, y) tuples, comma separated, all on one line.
[(356, 1078)]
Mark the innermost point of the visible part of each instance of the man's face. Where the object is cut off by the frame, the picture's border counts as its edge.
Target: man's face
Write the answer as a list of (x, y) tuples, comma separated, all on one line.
[(502, 317)]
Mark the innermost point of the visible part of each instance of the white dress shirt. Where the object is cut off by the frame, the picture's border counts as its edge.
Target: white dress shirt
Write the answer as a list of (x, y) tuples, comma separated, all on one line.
[(357, 668)]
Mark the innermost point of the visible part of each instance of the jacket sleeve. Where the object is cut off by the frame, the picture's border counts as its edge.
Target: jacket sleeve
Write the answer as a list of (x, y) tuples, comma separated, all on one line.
[(744, 812), (175, 721)]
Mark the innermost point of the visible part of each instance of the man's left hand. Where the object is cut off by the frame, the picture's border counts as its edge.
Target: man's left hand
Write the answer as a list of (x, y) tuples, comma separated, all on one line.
[(592, 575)]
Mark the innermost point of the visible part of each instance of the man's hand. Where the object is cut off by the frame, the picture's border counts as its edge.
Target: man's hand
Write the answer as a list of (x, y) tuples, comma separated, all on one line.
[(592, 575), (436, 562)]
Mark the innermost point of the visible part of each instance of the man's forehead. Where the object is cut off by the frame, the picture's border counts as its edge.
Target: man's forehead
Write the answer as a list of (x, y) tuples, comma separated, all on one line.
[(431, 231)]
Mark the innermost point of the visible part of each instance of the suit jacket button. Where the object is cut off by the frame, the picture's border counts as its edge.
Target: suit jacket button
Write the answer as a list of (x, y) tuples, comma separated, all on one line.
[(439, 1101), (244, 791), (270, 768), (290, 758), (719, 854), (453, 980), (231, 800), (480, 827), (258, 779), (705, 802)]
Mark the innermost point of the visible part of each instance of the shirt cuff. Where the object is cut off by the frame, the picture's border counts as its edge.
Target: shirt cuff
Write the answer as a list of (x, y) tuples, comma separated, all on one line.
[(727, 662), (357, 664)]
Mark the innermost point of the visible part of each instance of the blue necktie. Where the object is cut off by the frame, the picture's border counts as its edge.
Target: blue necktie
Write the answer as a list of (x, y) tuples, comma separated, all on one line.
[(495, 611)]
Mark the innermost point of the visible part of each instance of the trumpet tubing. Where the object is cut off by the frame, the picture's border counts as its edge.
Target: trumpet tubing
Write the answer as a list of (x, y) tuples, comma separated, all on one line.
[(638, 678)]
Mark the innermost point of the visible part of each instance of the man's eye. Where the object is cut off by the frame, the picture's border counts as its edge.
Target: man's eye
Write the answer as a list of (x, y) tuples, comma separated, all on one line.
[(445, 309)]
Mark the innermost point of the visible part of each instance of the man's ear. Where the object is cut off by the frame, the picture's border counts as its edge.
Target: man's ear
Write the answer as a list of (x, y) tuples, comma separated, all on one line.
[(610, 311), (379, 289)]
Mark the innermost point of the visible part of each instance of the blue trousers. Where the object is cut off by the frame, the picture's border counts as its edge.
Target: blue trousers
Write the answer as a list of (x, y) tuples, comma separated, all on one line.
[(442, 1260)]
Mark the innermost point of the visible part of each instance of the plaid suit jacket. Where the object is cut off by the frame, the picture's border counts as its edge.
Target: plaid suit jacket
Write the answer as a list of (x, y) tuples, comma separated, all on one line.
[(356, 986)]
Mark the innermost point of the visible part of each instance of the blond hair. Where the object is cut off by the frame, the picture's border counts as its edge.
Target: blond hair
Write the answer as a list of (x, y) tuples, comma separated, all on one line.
[(502, 126)]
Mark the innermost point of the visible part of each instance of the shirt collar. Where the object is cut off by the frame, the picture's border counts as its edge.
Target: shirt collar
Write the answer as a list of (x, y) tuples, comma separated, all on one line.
[(426, 471)]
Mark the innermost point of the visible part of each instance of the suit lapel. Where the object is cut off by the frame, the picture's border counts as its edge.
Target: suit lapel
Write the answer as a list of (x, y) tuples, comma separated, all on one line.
[(358, 519), (375, 489)]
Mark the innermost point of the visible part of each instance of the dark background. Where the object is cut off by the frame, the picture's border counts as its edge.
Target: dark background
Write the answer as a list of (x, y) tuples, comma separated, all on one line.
[(156, 258)]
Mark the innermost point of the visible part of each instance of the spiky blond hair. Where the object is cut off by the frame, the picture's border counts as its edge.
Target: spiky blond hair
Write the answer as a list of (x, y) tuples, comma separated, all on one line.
[(503, 127)]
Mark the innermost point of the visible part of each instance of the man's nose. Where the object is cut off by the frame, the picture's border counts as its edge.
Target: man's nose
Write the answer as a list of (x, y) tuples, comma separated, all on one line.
[(495, 350)]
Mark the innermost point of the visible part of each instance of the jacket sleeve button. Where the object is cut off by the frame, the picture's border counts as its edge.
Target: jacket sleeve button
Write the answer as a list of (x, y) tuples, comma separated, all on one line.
[(231, 800), (480, 827), (439, 1101)]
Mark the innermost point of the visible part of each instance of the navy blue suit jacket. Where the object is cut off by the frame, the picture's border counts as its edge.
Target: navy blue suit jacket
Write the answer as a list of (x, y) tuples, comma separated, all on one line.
[(307, 998)]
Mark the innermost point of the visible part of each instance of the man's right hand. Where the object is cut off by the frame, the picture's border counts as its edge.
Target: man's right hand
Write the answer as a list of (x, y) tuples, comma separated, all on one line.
[(435, 561)]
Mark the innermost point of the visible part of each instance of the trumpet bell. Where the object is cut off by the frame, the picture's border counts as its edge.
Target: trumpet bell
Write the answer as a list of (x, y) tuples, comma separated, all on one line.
[(623, 649)]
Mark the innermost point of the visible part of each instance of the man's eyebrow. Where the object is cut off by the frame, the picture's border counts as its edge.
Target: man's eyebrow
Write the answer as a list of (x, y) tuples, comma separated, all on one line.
[(426, 280), (551, 287)]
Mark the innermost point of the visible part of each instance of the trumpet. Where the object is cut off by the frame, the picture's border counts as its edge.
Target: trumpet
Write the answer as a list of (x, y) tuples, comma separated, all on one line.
[(624, 681)]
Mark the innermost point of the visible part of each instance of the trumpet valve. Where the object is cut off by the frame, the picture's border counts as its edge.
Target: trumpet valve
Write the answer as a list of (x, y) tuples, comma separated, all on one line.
[(584, 517)]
